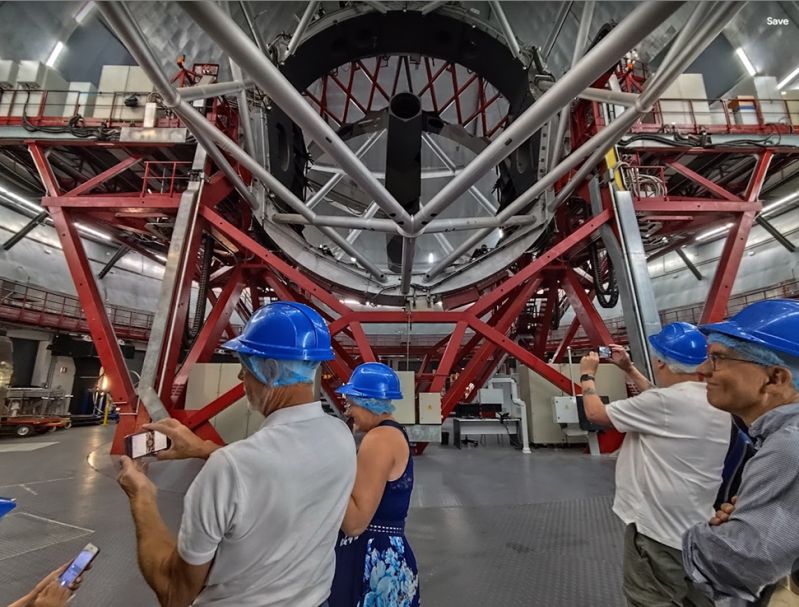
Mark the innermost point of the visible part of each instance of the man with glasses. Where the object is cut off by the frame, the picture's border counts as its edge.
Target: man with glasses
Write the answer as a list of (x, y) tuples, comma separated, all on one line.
[(669, 467), (753, 372)]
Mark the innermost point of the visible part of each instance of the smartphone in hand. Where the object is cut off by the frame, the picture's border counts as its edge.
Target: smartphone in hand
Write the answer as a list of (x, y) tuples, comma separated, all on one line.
[(78, 565), (604, 351), (148, 442)]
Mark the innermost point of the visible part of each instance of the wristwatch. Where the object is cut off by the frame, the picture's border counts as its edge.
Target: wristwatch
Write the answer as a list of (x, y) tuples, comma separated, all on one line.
[(586, 377)]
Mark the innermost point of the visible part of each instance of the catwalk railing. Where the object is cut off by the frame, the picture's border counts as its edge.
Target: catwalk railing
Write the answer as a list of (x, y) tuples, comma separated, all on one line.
[(30, 305), (692, 313)]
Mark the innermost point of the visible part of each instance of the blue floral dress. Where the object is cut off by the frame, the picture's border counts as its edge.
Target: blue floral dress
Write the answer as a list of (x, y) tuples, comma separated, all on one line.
[(378, 568)]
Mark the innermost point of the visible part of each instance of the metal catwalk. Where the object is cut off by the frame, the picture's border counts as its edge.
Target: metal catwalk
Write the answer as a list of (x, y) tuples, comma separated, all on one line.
[(489, 526)]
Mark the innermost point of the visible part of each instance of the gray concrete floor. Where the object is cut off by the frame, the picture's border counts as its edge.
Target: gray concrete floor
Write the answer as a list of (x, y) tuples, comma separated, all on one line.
[(489, 526)]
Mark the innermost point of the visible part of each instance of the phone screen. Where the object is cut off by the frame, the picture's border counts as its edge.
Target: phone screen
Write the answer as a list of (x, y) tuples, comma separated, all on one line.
[(604, 351), (146, 443), (78, 565)]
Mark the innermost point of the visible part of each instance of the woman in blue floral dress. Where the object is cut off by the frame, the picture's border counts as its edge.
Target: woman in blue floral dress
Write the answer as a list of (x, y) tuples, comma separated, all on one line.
[(375, 566)]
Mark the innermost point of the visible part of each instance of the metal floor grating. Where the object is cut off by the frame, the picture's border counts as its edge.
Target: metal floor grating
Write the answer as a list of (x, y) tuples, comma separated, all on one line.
[(490, 527), (557, 554), (23, 532)]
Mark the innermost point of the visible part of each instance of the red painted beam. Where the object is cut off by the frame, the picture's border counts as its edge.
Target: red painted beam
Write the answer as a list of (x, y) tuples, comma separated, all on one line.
[(586, 313), (223, 401), (128, 203), (542, 336), (526, 358), (704, 182), (101, 178), (45, 170), (100, 328), (296, 276), (207, 339), (758, 177), (362, 342), (693, 205), (719, 294), (564, 246), (448, 359), (567, 340)]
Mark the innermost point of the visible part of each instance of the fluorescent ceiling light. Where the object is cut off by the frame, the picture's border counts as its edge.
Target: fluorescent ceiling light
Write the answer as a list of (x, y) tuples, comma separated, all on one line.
[(745, 60), (160, 257), (352, 302), (788, 78), (501, 233), (23, 201), (778, 203), (59, 46), (92, 232), (714, 232), (431, 258), (84, 11)]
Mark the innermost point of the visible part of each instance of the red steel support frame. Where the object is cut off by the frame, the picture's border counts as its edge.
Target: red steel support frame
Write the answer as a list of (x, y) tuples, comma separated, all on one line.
[(208, 338), (504, 300)]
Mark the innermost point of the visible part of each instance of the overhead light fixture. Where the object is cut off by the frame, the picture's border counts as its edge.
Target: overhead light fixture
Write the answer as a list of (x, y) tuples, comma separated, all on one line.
[(788, 78), (160, 257), (32, 206), (84, 11), (501, 232), (778, 203), (351, 302), (92, 232), (353, 260), (714, 232), (745, 60), (431, 258), (59, 46)]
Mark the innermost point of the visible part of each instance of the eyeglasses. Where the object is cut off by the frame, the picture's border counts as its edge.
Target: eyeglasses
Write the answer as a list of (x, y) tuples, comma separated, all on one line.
[(715, 358)]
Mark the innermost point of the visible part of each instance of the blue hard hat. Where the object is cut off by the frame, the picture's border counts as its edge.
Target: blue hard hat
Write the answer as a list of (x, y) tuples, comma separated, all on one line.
[(681, 341), (373, 380), (284, 330), (7, 504), (772, 323)]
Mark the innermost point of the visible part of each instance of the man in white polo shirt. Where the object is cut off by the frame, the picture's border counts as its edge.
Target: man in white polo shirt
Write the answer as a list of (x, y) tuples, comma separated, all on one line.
[(670, 464), (261, 518)]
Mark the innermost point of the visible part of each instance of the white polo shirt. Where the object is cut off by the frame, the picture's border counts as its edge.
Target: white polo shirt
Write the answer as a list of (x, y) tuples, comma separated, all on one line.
[(669, 466), (267, 510)]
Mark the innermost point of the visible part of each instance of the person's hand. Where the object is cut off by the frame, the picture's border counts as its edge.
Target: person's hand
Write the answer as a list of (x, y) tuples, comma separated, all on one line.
[(620, 357), (52, 595), (134, 481), (589, 364), (723, 513), (185, 443)]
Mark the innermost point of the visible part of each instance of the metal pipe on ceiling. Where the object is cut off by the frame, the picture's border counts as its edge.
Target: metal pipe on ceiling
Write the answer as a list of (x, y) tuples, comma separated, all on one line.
[(238, 46), (642, 20), (696, 34), (280, 190), (208, 135), (118, 16), (256, 33), (245, 120), (507, 30), (331, 183), (217, 89), (560, 19), (339, 221), (431, 6), (580, 44), (307, 15)]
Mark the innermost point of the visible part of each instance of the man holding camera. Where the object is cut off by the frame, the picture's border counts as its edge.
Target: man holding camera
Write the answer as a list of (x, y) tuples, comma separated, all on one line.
[(669, 466)]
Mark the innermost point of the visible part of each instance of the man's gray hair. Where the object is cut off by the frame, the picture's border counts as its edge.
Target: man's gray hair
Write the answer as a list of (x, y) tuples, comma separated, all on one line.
[(676, 366)]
